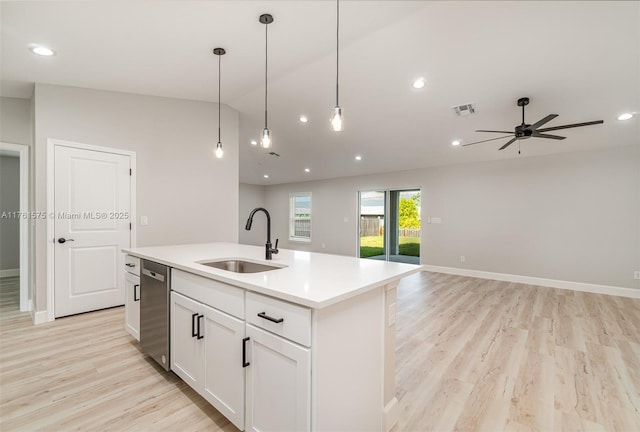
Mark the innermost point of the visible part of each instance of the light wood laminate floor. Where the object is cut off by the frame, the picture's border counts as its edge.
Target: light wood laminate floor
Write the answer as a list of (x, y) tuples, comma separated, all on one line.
[(472, 354)]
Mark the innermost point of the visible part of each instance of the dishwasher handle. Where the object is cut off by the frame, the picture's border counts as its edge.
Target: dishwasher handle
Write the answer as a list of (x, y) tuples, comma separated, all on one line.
[(153, 275)]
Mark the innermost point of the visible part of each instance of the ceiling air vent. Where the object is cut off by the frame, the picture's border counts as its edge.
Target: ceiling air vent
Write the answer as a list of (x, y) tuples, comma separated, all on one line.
[(464, 110)]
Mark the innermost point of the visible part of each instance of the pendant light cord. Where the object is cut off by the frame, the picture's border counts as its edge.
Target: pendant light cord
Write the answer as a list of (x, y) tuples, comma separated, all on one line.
[(266, 57), (337, 47), (219, 69)]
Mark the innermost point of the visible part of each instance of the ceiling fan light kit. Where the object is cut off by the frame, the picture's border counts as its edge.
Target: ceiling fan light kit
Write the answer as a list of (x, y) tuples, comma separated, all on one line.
[(525, 131)]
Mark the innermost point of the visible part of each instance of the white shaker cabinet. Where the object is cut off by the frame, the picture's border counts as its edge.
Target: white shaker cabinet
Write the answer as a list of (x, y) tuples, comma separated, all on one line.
[(206, 352), (278, 390), (132, 296)]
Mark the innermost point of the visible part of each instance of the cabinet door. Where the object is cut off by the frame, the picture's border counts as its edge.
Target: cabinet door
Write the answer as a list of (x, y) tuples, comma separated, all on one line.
[(278, 384), (223, 378), (187, 354), (132, 305)]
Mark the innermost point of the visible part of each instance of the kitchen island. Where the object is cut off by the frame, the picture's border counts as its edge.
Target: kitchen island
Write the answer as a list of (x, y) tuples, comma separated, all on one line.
[(308, 345)]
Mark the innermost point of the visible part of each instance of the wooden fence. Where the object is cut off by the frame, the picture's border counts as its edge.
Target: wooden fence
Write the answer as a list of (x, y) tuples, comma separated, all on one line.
[(374, 227), (302, 228), (409, 232)]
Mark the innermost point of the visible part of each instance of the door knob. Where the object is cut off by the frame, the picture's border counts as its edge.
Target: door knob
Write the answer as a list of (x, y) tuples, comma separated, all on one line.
[(64, 240)]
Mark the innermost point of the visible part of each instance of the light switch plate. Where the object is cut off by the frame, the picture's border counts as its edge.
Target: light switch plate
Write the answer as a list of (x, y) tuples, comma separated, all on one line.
[(636, 274), (144, 220)]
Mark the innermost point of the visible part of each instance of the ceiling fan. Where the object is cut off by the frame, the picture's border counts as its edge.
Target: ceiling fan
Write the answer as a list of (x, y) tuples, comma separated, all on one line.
[(525, 131)]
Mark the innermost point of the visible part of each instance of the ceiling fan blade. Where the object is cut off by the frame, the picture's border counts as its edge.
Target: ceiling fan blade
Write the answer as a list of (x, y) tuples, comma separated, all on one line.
[(541, 135), (492, 139), (511, 141), (492, 131), (547, 119), (571, 126)]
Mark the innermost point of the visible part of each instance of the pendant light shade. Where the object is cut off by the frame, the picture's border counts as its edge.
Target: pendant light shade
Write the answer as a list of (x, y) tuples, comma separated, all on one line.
[(265, 140), (337, 122), (219, 52)]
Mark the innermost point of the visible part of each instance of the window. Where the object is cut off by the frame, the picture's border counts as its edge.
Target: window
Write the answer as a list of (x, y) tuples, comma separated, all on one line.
[(300, 216)]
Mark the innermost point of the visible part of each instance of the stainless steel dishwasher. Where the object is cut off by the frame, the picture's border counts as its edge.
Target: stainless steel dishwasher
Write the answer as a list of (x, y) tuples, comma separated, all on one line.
[(154, 311)]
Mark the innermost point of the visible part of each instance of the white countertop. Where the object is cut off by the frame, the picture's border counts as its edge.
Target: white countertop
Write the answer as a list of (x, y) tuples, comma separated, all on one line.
[(311, 279)]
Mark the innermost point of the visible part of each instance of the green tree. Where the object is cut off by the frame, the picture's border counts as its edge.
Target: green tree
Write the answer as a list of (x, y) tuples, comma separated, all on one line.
[(409, 217)]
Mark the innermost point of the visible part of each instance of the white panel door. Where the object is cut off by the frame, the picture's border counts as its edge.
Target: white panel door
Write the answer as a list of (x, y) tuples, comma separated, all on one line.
[(223, 370), (278, 384), (92, 206)]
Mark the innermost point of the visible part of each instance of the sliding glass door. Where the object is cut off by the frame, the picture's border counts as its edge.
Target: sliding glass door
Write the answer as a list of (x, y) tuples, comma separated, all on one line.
[(390, 225), (372, 217)]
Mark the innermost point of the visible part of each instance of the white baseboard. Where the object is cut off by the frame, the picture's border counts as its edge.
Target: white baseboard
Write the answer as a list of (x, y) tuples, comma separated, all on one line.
[(10, 272), (551, 283), (391, 412), (40, 317)]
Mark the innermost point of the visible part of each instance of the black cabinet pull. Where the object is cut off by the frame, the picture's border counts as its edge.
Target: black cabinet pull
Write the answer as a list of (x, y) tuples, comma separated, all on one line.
[(199, 335), (130, 264), (267, 317), (245, 363), (193, 325), (136, 295)]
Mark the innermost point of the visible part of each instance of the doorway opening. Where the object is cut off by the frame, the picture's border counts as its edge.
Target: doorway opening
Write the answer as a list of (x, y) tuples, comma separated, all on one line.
[(389, 227), (15, 266)]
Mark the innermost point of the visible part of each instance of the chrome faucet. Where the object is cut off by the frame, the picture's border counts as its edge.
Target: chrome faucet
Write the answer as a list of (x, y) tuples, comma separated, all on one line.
[(268, 249)]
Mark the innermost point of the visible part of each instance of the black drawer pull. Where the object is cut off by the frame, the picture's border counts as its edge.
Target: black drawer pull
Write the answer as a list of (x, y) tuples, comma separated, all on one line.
[(267, 317), (245, 363), (193, 325), (130, 264), (199, 335), (136, 294)]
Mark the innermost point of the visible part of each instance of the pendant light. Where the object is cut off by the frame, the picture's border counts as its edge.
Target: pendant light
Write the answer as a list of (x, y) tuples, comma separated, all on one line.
[(337, 123), (265, 19), (219, 52)]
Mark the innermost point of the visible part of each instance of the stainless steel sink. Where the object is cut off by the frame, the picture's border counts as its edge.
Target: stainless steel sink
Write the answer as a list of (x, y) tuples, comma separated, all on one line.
[(239, 266)]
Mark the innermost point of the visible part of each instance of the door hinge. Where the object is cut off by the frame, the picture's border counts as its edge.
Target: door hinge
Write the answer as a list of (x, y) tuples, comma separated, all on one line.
[(130, 226), (130, 171)]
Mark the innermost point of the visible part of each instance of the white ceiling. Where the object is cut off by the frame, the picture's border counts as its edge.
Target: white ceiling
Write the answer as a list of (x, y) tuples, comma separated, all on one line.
[(578, 59)]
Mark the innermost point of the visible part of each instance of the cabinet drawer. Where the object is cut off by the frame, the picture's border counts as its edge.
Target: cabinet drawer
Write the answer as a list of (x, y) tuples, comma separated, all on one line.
[(285, 319), (216, 294), (132, 264)]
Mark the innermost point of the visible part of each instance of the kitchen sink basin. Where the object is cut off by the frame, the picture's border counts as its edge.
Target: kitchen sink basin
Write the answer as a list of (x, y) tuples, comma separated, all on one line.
[(239, 266)]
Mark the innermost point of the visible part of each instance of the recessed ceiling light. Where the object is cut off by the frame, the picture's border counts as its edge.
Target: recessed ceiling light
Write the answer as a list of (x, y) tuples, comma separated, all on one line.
[(266, 176), (303, 119), (455, 143), (625, 116), (307, 170), (358, 157), (418, 84), (41, 50), (254, 142)]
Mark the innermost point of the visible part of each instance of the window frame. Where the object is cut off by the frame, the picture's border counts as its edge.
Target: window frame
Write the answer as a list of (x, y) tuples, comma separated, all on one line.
[(292, 218)]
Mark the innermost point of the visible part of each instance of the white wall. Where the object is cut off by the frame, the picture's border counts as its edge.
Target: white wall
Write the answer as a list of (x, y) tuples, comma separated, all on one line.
[(252, 196), (9, 202), (15, 120), (573, 217), (188, 195)]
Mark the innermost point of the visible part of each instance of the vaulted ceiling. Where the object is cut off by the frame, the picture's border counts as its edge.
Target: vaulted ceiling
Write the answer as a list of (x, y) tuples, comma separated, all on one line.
[(578, 59)]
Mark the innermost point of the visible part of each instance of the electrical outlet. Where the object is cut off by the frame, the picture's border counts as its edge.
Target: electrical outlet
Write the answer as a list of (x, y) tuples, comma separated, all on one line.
[(636, 274), (463, 258)]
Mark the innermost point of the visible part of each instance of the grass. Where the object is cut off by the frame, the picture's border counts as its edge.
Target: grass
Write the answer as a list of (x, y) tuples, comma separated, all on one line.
[(372, 246)]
